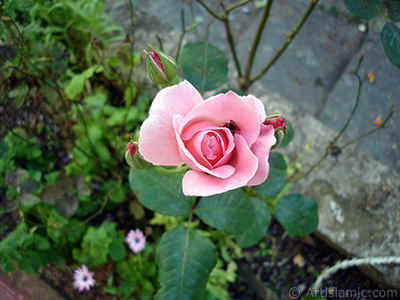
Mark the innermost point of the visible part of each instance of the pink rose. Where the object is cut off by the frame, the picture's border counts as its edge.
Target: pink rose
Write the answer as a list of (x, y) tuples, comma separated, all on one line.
[(223, 139)]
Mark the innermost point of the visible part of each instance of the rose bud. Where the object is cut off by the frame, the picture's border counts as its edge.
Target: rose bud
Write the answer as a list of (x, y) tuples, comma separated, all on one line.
[(134, 159), (280, 125), (162, 68)]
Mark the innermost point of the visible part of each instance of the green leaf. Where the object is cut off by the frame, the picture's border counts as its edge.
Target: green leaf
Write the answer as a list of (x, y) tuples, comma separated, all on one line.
[(288, 137), (258, 229), (364, 9), (30, 262), (160, 192), (19, 93), (185, 260), (277, 161), (393, 8), (96, 100), (51, 193), (75, 234), (81, 187), (8, 51), (274, 184), (8, 265), (95, 244), (297, 214), (113, 61), (204, 65), (89, 72), (17, 178), (67, 205), (231, 211), (41, 243), (75, 87), (117, 250), (390, 38), (28, 200)]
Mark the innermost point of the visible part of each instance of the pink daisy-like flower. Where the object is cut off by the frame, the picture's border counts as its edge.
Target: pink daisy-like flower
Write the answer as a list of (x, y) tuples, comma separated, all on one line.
[(136, 240), (83, 279)]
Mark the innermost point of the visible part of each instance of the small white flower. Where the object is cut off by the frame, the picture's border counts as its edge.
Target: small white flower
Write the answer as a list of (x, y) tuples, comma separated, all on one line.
[(83, 279), (136, 240)]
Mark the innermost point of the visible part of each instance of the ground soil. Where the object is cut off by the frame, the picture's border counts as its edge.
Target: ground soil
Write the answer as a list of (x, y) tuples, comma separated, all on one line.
[(294, 262)]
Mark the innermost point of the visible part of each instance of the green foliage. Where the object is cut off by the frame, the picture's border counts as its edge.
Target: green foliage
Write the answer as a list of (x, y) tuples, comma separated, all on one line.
[(9, 248), (274, 184), (160, 192), (137, 275), (297, 214), (219, 279), (96, 245), (204, 65), (7, 52), (258, 229), (390, 38), (277, 161), (185, 260), (390, 35), (366, 9), (393, 8), (288, 137), (231, 211)]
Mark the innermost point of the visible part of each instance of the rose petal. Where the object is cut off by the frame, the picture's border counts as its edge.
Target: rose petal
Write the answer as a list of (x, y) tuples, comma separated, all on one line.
[(222, 109), (197, 165), (261, 149), (257, 105), (197, 183), (157, 140)]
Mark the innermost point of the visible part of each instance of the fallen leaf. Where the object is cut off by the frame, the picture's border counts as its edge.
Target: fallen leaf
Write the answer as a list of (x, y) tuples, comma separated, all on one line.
[(298, 260)]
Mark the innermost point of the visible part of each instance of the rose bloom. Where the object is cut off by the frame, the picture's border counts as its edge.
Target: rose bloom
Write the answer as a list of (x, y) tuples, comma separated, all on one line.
[(222, 139)]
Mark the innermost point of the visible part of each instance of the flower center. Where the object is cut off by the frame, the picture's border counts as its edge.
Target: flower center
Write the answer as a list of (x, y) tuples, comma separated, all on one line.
[(85, 278), (211, 147)]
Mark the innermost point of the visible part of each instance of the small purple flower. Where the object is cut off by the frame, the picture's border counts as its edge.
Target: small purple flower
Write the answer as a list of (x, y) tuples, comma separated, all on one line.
[(136, 240), (83, 279)]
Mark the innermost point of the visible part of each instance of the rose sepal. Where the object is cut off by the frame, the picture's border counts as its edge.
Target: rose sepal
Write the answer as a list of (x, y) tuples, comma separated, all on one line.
[(134, 159)]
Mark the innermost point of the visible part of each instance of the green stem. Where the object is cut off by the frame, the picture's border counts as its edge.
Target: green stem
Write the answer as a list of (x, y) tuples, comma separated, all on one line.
[(231, 43), (392, 111), (236, 5), (289, 37), (86, 130), (69, 125), (225, 19), (256, 42), (163, 170), (128, 81), (57, 89), (210, 11), (182, 35), (330, 149), (360, 83)]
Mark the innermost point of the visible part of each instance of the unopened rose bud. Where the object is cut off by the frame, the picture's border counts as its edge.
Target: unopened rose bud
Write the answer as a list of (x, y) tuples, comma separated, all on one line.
[(162, 68), (134, 159), (277, 121), (280, 125)]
